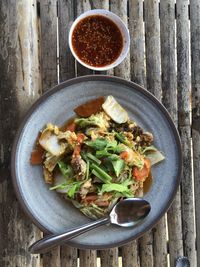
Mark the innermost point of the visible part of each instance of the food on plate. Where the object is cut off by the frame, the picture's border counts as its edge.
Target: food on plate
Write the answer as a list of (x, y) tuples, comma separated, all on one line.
[(90, 107), (98, 158)]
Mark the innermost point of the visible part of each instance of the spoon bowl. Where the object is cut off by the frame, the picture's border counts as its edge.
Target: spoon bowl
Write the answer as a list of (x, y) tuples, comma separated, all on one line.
[(126, 213), (129, 212)]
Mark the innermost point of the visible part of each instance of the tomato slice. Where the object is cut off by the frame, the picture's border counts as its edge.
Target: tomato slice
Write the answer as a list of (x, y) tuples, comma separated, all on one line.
[(37, 155), (77, 151), (142, 174), (124, 155), (90, 198), (71, 127), (80, 138)]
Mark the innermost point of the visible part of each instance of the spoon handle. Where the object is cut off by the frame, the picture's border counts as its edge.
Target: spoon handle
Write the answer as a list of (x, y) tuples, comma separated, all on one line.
[(51, 241)]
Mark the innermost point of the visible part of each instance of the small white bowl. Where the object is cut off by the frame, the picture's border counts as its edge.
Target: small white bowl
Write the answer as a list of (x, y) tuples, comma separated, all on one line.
[(122, 27)]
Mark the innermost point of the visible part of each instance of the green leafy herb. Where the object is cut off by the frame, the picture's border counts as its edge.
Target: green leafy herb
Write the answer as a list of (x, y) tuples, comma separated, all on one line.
[(59, 186), (84, 156), (103, 153), (118, 166), (122, 138), (101, 173), (117, 163), (95, 119), (73, 189), (98, 144), (65, 169), (87, 170), (115, 187), (104, 146), (93, 158), (98, 175), (124, 194), (111, 145), (113, 157)]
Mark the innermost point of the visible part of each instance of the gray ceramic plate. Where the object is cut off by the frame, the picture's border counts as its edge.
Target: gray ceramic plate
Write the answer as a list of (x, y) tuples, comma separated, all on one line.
[(52, 214)]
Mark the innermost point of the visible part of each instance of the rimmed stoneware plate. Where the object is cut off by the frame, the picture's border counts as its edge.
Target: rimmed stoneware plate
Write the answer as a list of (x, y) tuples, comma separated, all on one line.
[(46, 208)]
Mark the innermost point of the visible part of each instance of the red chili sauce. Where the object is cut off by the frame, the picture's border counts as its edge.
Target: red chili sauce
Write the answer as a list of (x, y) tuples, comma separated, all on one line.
[(97, 41)]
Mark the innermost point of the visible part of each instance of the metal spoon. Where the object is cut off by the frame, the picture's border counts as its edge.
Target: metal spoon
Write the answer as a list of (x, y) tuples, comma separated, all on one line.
[(182, 262), (125, 213)]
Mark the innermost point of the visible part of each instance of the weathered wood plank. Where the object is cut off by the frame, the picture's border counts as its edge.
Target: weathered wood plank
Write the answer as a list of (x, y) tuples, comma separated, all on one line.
[(138, 75), (183, 86), (168, 66), (65, 19), (123, 70), (20, 86), (103, 4), (160, 243), (146, 249), (119, 7), (136, 29), (130, 257), (187, 197), (195, 76), (48, 15), (183, 79), (52, 258), (88, 258), (152, 45), (109, 257), (153, 73), (81, 7), (68, 255)]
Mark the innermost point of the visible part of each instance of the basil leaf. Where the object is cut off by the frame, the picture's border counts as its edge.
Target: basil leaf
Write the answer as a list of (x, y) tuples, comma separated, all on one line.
[(103, 153), (120, 188), (118, 166), (98, 144)]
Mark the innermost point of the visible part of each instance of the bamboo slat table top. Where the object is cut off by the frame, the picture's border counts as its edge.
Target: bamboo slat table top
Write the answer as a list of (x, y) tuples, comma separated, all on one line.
[(164, 57)]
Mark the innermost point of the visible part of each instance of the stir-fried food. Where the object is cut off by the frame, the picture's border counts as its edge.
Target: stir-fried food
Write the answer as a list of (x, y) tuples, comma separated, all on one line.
[(99, 158)]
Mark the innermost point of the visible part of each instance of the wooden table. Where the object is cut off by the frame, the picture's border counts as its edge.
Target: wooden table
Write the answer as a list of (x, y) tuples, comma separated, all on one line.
[(164, 57)]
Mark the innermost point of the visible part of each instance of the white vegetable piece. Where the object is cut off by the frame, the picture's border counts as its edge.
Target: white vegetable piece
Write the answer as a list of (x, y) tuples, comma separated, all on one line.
[(115, 110), (155, 157), (49, 141), (60, 179)]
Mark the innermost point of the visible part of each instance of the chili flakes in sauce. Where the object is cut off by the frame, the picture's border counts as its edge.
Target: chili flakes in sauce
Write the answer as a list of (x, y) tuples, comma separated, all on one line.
[(97, 41)]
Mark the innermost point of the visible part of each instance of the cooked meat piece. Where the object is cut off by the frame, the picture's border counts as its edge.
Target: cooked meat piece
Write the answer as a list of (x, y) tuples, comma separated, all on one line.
[(147, 137), (79, 167), (47, 176), (86, 188), (137, 131), (123, 127), (90, 107)]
